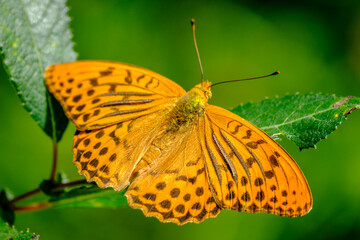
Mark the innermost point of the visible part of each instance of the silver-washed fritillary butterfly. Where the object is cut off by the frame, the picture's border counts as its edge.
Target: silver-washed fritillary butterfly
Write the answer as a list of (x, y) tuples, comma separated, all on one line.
[(183, 159)]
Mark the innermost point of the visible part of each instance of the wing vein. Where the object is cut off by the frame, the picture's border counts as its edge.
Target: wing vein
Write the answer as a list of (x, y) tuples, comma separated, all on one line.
[(125, 102), (226, 157), (125, 112), (237, 154)]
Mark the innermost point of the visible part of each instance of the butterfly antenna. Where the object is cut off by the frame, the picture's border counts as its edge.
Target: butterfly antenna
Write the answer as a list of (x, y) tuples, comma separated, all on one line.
[(192, 21), (244, 79)]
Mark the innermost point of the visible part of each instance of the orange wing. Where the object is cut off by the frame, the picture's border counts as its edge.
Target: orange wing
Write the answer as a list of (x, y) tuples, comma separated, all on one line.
[(109, 155), (176, 187), (221, 162), (248, 171), (96, 94), (118, 108)]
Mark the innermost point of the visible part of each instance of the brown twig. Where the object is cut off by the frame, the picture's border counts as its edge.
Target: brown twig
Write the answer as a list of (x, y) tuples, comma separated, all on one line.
[(36, 191), (70, 184), (25, 195), (32, 207), (40, 205)]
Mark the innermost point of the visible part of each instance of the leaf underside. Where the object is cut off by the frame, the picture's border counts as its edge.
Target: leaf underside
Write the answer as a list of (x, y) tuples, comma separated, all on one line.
[(34, 35), (304, 119)]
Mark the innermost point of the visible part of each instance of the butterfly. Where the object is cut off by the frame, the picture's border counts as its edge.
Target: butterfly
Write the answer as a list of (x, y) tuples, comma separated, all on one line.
[(180, 158)]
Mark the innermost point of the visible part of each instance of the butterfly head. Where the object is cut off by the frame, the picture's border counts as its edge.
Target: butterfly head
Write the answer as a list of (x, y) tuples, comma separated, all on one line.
[(204, 90)]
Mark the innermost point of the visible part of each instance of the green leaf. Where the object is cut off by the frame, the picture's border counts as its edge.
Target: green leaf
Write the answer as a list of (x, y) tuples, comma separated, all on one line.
[(89, 197), (34, 35), (7, 232), (304, 119)]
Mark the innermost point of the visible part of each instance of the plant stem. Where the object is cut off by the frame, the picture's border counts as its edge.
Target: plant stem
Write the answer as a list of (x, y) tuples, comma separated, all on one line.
[(32, 207), (36, 191), (54, 163), (25, 195), (70, 184)]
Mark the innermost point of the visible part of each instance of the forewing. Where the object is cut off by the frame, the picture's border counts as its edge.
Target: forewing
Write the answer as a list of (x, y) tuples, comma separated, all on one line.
[(248, 170), (96, 94)]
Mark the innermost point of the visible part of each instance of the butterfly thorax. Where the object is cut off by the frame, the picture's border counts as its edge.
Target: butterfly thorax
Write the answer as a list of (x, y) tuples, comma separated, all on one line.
[(189, 107)]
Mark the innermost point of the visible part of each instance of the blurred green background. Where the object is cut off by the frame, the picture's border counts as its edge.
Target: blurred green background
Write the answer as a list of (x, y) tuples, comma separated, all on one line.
[(314, 43)]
